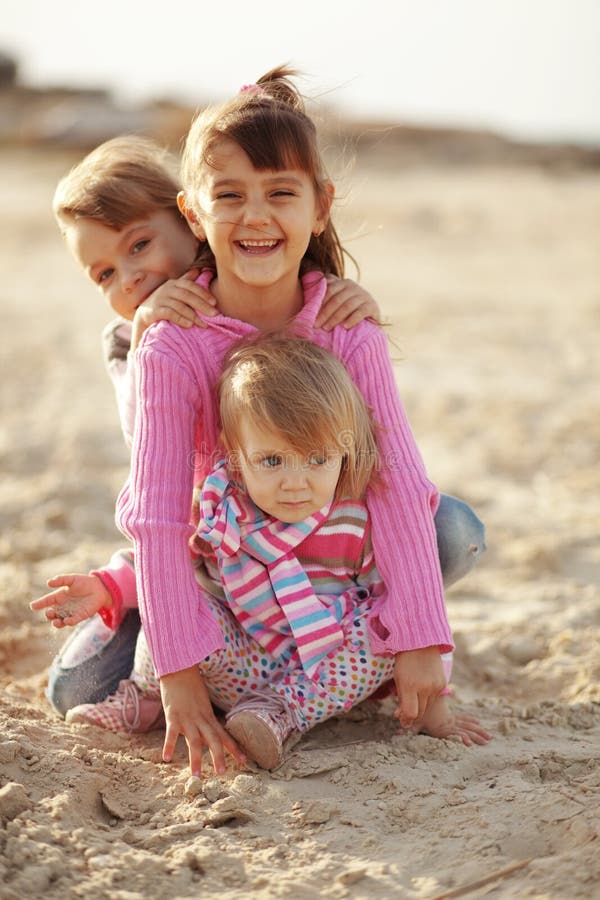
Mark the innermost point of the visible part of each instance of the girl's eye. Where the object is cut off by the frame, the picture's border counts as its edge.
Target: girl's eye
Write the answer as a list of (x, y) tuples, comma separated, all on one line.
[(317, 460), (271, 462), (139, 245), (227, 195), (283, 193), (104, 275)]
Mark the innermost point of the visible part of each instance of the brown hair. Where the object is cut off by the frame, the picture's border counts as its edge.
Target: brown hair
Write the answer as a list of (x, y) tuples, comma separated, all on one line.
[(303, 392), (269, 122), (123, 179)]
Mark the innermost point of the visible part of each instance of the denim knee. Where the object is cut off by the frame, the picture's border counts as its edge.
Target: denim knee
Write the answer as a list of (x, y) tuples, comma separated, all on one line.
[(460, 538), (99, 674)]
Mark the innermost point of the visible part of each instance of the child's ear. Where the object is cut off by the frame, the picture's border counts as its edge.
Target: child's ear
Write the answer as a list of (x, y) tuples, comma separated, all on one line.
[(190, 216), (324, 201)]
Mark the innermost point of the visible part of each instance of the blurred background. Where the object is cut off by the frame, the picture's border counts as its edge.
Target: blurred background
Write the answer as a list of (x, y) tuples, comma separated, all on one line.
[(528, 71)]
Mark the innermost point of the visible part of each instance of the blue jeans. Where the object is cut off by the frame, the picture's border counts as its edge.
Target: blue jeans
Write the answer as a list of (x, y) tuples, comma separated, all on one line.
[(460, 540)]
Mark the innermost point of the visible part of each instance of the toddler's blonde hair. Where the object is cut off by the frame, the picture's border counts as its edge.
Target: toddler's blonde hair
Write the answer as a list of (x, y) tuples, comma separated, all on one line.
[(301, 391)]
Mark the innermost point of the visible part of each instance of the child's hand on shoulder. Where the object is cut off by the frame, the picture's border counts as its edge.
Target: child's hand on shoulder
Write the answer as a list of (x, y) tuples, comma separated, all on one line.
[(74, 598), (179, 300), (345, 303)]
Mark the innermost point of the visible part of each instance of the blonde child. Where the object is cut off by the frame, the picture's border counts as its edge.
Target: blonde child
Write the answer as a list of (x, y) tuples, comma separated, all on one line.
[(284, 554), (257, 198), (118, 212)]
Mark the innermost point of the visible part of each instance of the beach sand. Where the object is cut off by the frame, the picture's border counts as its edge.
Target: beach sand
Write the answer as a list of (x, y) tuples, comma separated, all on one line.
[(490, 277)]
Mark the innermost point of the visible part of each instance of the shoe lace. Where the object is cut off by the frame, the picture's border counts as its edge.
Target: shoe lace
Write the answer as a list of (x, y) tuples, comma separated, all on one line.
[(126, 698)]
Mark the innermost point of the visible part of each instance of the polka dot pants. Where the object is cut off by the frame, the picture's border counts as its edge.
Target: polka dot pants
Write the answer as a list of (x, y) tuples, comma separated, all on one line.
[(347, 676)]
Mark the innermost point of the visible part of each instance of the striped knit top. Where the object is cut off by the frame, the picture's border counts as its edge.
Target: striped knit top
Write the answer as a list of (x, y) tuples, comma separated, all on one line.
[(291, 587), (176, 444)]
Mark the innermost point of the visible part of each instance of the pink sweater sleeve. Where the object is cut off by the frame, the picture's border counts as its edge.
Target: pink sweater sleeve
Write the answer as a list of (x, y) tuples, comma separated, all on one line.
[(153, 509), (412, 612), (118, 577)]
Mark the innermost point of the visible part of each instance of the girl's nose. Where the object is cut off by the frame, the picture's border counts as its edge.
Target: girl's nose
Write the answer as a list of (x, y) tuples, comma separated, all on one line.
[(130, 278), (256, 213), (293, 479)]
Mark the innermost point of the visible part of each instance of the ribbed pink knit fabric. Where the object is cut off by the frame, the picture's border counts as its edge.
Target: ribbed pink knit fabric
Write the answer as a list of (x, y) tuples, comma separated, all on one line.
[(175, 446)]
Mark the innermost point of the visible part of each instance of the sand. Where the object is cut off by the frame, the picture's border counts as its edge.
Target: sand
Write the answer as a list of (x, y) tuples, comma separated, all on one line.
[(491, 280)]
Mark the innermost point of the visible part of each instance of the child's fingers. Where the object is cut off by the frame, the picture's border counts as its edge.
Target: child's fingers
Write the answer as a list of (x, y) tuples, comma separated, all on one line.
[(408, 709), (196, 743), (233, 747), (61, 581), (471, 727), (199, 291), (349, 315), (185, 302), (171, 735), (330, 310), (55, 598), (192, 273)]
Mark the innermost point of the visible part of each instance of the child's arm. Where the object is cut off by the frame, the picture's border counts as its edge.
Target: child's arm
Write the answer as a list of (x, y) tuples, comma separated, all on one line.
[(345, 302), (74, 598), (180, 300)]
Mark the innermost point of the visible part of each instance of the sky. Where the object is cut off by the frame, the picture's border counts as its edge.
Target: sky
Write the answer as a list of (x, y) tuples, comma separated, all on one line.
[(527, 68)]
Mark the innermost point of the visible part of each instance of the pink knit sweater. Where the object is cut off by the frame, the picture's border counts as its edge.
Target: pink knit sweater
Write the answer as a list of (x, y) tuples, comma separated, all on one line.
[(176, 443)]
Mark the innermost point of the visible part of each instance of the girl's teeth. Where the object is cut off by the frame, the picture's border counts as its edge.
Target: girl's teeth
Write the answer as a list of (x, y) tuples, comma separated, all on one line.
[(258, 243)]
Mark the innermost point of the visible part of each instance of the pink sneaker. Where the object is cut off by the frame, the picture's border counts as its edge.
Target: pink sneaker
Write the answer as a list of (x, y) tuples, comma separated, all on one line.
[(128, 709), (262, 725)]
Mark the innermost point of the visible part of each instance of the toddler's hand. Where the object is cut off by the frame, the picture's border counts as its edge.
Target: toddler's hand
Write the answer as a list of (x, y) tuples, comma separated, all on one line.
[(419, 678), (179, 300), (75, 598), (440, 722), (345, 302), (188, 711)]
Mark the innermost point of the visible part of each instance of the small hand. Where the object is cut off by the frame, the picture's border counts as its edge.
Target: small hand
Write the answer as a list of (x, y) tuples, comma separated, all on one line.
[(179, 300), (440, 722), (345, 303), (75, 598), (419, 678), (188, 711)]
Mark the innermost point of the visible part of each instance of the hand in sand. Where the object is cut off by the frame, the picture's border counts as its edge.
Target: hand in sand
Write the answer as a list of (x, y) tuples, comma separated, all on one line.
[(75, 598), (188, 711), (180, 300), (440, 722), (419, 678), (345, 303)]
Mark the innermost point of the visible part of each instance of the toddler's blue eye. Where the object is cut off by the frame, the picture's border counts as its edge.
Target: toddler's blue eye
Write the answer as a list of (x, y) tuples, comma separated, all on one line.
[(104, 275), (139, 245), (271, 462)]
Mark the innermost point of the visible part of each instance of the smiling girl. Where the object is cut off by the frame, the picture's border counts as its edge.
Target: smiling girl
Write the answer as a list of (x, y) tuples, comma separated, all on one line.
[(117, 210), (258, 199)]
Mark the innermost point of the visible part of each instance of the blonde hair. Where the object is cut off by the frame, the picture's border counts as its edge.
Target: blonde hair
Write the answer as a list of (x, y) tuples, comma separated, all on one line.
[(269, 122), (296, 388), (124, 179)]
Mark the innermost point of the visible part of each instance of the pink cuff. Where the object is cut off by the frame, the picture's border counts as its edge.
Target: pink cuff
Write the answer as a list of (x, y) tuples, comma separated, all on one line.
[(112, 616)]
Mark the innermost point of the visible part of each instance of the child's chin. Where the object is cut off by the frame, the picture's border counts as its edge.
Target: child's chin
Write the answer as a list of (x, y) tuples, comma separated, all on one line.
[(291, 514)]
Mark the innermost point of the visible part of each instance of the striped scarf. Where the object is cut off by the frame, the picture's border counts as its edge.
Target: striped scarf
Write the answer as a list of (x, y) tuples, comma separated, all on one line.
[(266, 587)]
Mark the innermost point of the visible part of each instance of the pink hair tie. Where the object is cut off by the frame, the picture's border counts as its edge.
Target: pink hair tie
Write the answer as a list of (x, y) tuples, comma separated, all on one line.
[(252, 88)]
